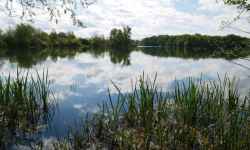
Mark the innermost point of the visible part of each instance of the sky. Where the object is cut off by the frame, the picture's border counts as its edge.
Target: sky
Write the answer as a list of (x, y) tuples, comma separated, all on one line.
[(145, 17)]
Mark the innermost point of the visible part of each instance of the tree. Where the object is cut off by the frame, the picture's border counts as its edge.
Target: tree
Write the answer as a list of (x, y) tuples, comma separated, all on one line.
[(71, 41), (24, 35), (98, 42), (120, 38), (41, 40), (2, 43), (243, 6), (9, 38)]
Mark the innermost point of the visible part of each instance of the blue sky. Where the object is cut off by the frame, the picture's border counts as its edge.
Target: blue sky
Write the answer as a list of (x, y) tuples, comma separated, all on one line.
[(186, 5), (146, 17)]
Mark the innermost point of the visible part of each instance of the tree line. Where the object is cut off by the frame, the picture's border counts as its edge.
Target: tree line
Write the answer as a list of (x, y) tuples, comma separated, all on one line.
[(28, 45), (198, 42), (25, 38)]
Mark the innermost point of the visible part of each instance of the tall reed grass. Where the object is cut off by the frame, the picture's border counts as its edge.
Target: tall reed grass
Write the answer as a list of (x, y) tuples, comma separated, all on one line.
[(197, 115), (26, 106)]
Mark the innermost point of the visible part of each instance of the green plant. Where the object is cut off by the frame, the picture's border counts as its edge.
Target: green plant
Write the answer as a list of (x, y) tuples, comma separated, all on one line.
[(197, 115), (26, 106)]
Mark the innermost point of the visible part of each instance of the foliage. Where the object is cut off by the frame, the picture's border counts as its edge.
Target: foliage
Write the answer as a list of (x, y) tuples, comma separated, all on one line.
[(25, 107), (25, 37), (202, 45), (198, 41), (241, 4), (28, 46), (197, 115), (120, 39), (243, 7), (98, 43), (29, 9)]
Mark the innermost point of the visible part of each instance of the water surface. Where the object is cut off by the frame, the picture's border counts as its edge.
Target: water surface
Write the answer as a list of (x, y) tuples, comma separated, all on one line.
[(81, 82)]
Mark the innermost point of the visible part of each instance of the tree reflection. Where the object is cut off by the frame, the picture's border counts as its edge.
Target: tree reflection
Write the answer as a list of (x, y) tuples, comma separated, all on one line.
[(120, 57)]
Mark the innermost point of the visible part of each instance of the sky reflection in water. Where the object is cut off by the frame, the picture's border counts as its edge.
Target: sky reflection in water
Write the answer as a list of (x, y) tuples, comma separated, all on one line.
[(81, 83)]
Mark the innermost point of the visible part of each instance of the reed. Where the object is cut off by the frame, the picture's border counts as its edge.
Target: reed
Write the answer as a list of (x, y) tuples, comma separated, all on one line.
[(197, 115), (25, 106)]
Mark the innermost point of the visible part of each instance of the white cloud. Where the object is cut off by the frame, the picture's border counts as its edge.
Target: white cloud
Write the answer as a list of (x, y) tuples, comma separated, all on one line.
[(146, 17)]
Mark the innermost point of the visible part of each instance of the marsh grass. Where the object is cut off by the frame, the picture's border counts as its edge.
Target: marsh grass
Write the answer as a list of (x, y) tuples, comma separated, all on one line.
[(25, 106), (196, 115)]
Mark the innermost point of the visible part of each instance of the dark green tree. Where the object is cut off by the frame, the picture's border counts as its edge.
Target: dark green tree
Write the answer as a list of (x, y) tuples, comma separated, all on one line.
[(24, 35), (241, 4), (120, 39), (2, 43)]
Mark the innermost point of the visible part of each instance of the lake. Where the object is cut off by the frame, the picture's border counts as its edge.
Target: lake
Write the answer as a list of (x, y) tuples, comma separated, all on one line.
[(81, 82)]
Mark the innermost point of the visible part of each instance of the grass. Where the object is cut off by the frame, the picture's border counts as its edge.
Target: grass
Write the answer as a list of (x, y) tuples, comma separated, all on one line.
[(25, 106), (197, 115)]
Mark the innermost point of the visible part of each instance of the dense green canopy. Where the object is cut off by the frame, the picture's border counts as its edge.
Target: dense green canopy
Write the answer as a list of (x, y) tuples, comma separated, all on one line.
[(27, 45), (241, 4)]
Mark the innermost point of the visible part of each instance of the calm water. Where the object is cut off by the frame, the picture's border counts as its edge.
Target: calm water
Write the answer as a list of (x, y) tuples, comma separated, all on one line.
[(81, 82)]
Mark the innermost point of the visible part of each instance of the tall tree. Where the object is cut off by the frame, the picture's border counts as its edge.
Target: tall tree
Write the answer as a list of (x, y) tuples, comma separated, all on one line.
[(121, 38)]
